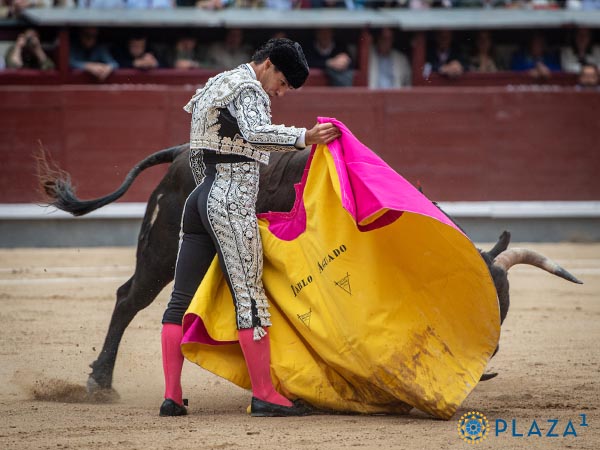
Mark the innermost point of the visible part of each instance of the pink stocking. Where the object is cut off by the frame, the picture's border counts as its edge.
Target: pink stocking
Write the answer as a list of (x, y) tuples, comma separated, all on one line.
[(258, 361), (172, 361)]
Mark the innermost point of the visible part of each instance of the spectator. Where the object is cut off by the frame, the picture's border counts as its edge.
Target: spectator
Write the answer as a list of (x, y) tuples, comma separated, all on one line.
[(376, 4), (27, 53), (580, 52), (441, 3), (149, 4), (206, 4), (388, 68), (15, 7), (101, 4), (346, 4), (537, 61), (136, 54), (482, 59), (126, 4), (88, 55), (248, 3), (188, 54), (588, 77), (443, 57), (283, 5), (325, 53), (589, 5), (231, 52)]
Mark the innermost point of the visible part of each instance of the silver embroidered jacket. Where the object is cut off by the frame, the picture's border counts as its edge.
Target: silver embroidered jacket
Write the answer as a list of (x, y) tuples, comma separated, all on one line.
[(232, 114)]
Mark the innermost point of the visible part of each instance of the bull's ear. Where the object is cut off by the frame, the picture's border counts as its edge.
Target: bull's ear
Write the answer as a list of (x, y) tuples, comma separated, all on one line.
[(501, 245)]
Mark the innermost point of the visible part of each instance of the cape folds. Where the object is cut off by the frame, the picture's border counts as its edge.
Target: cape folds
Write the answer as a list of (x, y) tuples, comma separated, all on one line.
[(379, 303)]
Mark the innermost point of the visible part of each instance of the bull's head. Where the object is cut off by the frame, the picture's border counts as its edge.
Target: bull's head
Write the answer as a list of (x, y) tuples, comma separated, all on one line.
[(500, 259)]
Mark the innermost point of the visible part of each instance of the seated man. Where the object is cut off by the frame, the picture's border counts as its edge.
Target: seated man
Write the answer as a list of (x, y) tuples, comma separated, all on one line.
[(229, 53), (581, 50), (27, 53), (388, 67), (88, 55), (325, 53), (536, 60), (588, 77), (188, 54), (482, 58), (443, 57), (136, 54)]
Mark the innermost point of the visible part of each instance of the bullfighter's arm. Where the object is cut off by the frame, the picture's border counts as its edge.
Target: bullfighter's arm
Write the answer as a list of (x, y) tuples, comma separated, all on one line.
[(255, 125)]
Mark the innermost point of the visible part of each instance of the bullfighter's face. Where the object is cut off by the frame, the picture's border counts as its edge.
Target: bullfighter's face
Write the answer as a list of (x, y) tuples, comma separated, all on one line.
[(273, 80)]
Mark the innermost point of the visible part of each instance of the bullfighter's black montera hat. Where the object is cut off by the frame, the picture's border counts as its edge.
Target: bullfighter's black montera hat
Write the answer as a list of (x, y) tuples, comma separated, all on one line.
[(289, 58)]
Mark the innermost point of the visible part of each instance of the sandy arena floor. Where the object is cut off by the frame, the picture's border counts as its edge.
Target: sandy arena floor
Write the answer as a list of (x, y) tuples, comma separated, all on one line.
[(55, 306)]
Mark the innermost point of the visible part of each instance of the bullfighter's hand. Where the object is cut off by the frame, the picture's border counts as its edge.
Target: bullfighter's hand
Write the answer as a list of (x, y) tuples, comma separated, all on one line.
[(322, 133)]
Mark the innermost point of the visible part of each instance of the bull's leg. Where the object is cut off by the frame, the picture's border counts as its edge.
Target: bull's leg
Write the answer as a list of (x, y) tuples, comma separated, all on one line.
[(135, 295), (156, 255)]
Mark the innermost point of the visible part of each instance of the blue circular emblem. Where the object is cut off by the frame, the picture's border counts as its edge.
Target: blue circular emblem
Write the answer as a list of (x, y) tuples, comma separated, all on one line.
[(473, 427)]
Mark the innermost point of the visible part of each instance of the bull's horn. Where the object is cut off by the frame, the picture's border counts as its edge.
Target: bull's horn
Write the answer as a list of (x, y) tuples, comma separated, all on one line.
[(513, 256), (488, 376)]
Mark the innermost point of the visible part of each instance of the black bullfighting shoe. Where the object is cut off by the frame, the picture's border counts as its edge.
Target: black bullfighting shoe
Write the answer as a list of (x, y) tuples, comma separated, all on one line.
[(172, 408), (260, 408)]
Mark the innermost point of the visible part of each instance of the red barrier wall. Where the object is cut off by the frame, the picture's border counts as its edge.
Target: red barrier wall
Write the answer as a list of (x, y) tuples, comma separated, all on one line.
[(459, 143)]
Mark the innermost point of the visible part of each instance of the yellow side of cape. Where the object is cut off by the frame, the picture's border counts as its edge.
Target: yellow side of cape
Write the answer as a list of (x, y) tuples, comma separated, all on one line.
[(380, 321)]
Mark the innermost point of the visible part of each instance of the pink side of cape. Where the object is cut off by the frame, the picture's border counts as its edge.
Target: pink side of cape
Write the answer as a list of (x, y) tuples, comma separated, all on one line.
[(194, 330), (367, 185)]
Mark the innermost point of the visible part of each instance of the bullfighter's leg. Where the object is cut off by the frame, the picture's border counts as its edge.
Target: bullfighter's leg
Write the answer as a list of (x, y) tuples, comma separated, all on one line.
[(229, 213), (219, 217), (196, 252)]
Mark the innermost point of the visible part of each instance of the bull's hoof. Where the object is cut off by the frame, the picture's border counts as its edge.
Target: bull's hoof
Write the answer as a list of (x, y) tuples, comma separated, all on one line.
[(99, 394)]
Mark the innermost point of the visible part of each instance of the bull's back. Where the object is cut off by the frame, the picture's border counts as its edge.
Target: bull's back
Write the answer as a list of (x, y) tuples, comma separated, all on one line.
[(277, 179)]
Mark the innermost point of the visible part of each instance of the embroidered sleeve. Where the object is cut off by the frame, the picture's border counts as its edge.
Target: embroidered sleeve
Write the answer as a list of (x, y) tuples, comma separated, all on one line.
[(254, 120)]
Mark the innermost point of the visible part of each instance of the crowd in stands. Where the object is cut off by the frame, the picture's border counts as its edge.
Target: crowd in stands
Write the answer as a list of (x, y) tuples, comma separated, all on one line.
[(14, 7), (478, 53), (388, 66), (536, 58)]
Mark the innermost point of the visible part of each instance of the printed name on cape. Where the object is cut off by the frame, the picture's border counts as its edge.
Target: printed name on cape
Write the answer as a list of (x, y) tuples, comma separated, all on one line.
[(330, 257), (322, 264), (297, 287)]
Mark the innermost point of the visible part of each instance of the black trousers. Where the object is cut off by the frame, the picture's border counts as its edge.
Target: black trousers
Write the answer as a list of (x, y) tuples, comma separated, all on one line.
[(219, 218)]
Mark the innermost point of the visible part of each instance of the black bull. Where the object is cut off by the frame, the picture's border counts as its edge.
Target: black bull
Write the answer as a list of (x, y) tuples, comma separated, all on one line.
[(159, 236)]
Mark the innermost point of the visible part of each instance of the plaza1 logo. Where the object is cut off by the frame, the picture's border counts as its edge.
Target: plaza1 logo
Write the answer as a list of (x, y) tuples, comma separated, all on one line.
[(474, 427)]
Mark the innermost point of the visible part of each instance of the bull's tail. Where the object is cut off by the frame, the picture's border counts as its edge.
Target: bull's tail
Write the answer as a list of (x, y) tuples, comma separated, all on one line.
[(56, 184), (509, 258)]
